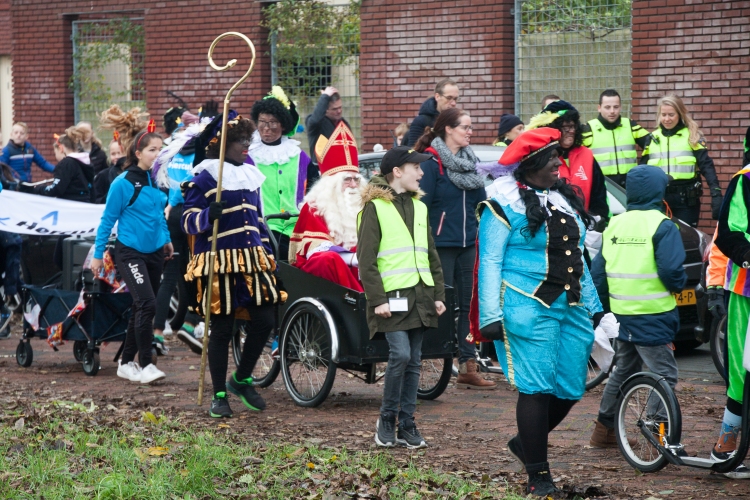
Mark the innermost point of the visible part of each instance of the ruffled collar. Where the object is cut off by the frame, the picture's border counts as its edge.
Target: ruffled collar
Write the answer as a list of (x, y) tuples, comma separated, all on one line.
[(263, 154), (245, 177), (506, 192)]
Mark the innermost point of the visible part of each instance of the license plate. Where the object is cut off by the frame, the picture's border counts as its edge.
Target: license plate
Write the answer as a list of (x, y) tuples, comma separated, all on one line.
[(685, 298)]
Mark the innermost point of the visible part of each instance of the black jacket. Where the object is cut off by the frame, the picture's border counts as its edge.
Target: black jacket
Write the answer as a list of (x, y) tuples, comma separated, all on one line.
[(318, 123), (73, 181), (104, 179), (98, 158), (426, 117)]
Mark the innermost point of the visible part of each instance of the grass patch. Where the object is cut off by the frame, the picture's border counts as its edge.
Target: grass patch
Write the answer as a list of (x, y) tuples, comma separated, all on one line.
[(62, 450)]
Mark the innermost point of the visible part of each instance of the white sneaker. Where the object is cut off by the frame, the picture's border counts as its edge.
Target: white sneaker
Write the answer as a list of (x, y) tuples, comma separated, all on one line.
[(150, 374), (199, 330), (130, 371)]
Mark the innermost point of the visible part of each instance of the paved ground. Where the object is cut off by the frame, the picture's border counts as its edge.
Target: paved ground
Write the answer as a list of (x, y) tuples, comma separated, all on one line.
[(466, 430)]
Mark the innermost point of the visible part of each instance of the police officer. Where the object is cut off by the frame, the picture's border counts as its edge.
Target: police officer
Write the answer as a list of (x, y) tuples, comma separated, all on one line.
[(679, 149), (612, 138)]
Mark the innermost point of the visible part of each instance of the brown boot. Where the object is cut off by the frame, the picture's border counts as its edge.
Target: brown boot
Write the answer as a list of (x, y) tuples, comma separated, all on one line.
[(469, 378), (604, 437)]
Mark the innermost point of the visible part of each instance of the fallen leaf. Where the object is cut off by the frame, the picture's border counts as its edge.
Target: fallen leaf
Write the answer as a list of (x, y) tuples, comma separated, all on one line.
[(246, 478), (310, 465), (140, 454), (224, 426), (150, 417), (92, 445), (19, 424), (158, 451)]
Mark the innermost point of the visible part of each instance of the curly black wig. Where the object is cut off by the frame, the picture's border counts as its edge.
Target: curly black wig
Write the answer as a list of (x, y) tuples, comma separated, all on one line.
[(571, 116), (274, 107), (242, 130)]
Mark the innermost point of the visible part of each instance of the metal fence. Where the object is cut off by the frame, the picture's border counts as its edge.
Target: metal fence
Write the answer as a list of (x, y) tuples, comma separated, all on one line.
[(304, 69), (108, 63), (573, 49)]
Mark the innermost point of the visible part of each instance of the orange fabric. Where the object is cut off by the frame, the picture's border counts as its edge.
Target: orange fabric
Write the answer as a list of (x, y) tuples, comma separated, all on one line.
[(717, 265)]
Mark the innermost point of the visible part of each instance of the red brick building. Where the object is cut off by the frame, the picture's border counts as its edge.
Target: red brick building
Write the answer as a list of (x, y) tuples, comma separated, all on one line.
[(698, 49)]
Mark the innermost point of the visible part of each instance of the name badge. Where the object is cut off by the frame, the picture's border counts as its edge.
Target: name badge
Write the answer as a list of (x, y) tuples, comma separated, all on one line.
[(399, 304)]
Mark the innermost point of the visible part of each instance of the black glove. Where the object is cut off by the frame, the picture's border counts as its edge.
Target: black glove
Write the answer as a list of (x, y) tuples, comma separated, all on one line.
[(716, 201), (214, 210), (598, 318), (493, 331), (716, 302)]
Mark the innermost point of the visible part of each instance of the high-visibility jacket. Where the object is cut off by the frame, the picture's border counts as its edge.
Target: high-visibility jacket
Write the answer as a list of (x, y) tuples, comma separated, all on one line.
[(614, 149), (628, 249), (402, 260), (673, 154)]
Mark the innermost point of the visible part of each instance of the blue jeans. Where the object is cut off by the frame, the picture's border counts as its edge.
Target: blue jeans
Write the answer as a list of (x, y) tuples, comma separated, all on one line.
[(402, 374)]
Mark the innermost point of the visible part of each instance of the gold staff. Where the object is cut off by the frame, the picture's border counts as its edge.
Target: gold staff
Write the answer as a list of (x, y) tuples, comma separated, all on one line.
[(222, 147)]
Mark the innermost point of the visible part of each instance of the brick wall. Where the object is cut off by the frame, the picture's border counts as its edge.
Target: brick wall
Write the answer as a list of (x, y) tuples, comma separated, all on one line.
[(178, 35), (408, 46), (700, 51), (5, 31)]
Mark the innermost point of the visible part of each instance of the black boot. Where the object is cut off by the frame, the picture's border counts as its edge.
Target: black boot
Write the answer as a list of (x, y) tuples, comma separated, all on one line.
[(540, 480)]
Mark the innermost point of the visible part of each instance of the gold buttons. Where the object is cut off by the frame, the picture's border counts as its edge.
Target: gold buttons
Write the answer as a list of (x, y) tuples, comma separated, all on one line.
[(565, 238), (562, 220), (567, 252), (554, 207), (567, 287), (570, 269)]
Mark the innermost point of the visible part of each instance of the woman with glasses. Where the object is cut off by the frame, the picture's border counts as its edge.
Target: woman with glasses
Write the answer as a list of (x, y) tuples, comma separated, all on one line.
[(579, 167), (281, 160), (453, 189)]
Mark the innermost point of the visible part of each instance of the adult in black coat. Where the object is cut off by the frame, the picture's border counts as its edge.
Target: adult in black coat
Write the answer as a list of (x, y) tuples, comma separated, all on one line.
[(322, 121), (73, 175), (446, 97), (93, 146)]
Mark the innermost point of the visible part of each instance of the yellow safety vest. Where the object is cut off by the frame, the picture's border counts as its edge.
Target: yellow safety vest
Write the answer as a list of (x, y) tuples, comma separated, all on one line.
[(673, 154), (628, 248), (614, 150), (402, 260)]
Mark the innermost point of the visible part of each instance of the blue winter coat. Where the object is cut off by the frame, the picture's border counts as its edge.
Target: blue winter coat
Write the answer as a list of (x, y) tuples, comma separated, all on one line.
[(451, 210), (21, 158), (645, 191)]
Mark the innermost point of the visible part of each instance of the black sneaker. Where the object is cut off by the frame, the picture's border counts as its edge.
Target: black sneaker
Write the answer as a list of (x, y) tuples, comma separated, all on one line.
[(246, 392), (540, 480), (516, 451), (193, 343), (220, 406), (385, 430), (409, 436)]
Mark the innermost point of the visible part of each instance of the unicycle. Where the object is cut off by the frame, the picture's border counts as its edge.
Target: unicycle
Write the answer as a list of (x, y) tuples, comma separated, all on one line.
[(648, 427)]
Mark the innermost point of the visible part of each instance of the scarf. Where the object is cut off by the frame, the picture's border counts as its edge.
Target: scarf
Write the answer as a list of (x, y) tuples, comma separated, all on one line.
[(461, 167)]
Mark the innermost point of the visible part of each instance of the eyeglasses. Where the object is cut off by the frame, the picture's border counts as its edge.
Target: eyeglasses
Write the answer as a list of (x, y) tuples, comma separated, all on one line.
[(269, 125), (245, 142), (569, 128), (465, 127), (450, 98), (356, 179)]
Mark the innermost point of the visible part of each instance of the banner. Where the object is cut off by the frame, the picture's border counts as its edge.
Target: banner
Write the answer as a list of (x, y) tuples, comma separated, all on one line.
[(24, 213)]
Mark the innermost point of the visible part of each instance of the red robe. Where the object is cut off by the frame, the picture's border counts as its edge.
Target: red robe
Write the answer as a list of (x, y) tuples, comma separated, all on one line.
[(311, 231)]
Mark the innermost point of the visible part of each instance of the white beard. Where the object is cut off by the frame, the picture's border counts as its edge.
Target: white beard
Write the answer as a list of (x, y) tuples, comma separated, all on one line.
[(339, 210)]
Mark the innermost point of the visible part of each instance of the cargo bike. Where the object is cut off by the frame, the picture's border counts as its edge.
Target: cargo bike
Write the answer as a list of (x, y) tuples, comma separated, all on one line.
[(322, 328)]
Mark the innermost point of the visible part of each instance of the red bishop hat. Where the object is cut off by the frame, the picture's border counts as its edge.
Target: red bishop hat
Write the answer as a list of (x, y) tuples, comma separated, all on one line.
[(530, 143), (337, 153)]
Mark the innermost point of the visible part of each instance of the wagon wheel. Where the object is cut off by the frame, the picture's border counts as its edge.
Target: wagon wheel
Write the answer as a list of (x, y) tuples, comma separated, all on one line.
[(79, 348), (91, 362), (24, 354), (266, 368), (434, 377), (306, 360)]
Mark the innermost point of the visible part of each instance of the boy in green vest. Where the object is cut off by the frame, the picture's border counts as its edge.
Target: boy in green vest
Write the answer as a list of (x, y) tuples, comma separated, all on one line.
[(636, 274), (401, 274)]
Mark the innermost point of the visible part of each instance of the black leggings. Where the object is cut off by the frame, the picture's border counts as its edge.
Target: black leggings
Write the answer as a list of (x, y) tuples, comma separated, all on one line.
[(141, 272), (174, 271), (262, 322), (536, 413)]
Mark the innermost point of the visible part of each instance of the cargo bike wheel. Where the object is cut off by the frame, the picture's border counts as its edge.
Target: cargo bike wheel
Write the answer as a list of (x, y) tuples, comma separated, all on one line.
[(24, 354), (434, 377), (306, 346), (646, 404), (267, 367), (90, 362)]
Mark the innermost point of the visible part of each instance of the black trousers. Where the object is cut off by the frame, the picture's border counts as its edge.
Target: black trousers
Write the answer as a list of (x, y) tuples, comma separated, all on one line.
[(260, 326), (142, 273), (174, 272), (680, 209), (283, 242), (458, 268)]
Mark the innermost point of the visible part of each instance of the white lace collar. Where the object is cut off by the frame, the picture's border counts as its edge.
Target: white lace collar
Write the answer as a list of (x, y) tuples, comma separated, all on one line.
[(506, 192), (263, 154), (244, 177)]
